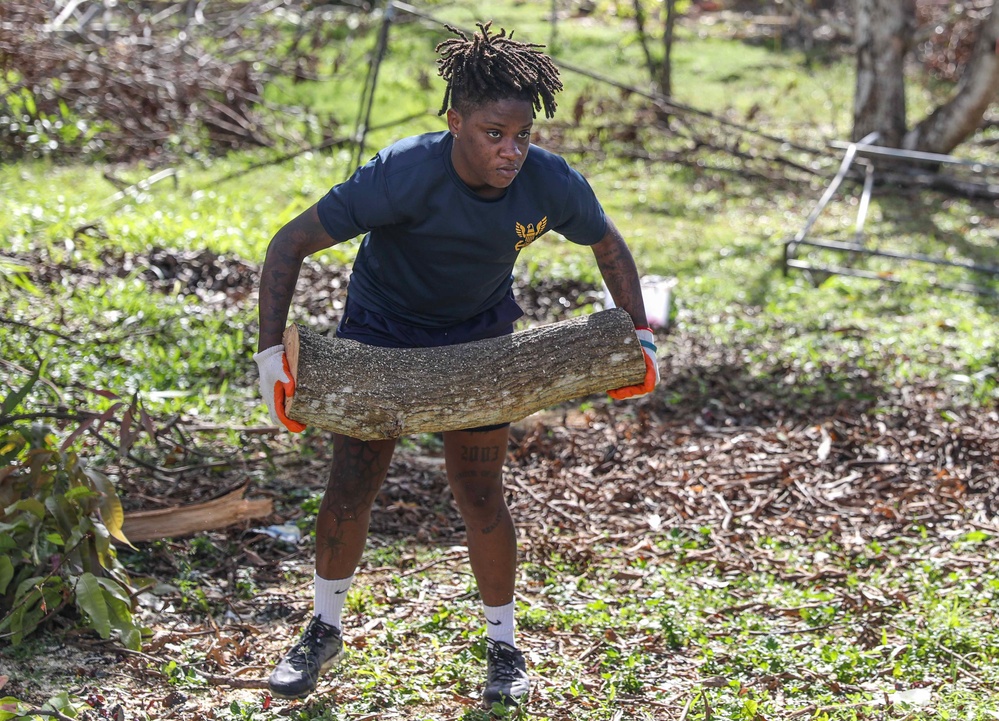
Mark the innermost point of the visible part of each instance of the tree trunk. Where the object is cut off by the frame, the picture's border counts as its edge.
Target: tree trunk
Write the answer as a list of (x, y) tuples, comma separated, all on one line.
[(373, 393), (884, 30), (954, 121), (643, 39), (669, 30), (661, 74)]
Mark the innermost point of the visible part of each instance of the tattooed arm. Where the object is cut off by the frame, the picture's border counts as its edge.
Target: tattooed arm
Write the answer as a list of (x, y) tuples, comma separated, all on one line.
[(288, 249), (620, 274)]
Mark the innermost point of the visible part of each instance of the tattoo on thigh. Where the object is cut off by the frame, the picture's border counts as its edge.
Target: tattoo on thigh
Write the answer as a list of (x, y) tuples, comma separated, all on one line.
[(480, 454)]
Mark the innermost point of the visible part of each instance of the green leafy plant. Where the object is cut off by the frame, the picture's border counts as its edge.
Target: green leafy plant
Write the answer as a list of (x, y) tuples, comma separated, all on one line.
[(56, 524), (60, 706), (15, 274)]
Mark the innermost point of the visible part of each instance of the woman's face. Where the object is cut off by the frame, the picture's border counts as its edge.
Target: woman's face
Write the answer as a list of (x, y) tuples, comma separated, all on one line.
[(491, 144)]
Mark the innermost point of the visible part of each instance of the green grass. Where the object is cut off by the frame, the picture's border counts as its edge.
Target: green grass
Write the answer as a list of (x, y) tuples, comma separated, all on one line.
[(835, 630)]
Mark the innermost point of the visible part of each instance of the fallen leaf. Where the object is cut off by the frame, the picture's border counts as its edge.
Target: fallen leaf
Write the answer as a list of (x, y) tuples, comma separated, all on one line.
[(715, 682), (913, 697)]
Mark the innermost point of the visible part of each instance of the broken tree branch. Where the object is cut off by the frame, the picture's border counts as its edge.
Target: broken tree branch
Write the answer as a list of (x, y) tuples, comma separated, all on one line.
[(180, 521)]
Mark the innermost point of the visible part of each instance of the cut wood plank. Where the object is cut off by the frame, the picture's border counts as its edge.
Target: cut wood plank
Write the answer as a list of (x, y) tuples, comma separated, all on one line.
[(374, 393), (178, 521)]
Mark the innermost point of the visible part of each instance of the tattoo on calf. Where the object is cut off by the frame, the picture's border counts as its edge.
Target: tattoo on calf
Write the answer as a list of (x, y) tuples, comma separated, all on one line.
[(334, 543)]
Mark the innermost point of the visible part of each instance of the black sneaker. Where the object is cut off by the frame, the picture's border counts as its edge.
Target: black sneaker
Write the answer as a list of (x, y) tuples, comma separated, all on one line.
[(320, 646), (507, 682)]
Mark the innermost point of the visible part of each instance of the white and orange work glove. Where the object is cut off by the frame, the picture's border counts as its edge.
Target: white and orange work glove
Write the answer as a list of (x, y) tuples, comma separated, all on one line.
[(645, 338), (276, 385)]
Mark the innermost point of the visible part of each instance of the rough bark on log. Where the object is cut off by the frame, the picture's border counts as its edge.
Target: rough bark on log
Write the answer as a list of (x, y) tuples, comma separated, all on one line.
[(374, 393)]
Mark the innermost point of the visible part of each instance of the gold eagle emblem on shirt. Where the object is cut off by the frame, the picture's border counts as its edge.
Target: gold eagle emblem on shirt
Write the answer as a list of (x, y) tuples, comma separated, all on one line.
[(530, 233)]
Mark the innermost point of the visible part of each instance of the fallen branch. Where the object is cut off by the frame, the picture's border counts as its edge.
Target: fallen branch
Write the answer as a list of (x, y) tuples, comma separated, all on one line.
[(179, 521)]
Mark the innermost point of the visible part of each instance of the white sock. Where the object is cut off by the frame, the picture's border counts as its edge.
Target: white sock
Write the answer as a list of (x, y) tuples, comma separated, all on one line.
[(499, 622), (329, 598)]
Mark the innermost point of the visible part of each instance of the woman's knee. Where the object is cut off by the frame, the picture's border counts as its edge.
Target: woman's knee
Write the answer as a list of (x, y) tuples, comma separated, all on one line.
[(356, 475), (478, 497)]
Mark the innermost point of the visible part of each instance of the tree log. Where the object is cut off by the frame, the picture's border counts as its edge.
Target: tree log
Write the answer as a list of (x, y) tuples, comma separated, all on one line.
[(374, 393)]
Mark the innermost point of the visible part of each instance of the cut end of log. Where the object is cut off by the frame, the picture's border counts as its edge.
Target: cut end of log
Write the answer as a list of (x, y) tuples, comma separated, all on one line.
[(292, 344), (292, 348)]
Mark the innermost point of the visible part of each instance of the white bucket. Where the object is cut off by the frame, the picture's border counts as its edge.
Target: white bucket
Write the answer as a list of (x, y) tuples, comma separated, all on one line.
[(657, 294)]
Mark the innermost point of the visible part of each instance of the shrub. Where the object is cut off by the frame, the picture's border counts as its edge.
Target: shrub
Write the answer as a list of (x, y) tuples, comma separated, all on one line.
[(57, 519)]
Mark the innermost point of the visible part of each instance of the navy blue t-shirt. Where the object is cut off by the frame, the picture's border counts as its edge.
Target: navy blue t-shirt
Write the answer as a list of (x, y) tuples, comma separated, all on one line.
[(435, 253)]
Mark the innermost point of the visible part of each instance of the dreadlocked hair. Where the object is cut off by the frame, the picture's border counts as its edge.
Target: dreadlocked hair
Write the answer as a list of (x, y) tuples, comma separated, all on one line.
[(489, 67)]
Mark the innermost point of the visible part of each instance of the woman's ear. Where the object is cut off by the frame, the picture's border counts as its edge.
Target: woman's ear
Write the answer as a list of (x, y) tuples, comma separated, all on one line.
[(453, 122)]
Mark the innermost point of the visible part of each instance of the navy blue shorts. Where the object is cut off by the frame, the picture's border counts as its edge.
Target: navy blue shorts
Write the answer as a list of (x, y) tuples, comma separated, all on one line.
[(372, 328)]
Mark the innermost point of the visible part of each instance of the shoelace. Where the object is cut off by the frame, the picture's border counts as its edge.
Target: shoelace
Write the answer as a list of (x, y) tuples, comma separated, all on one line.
[(504, 663), (305, 649)]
